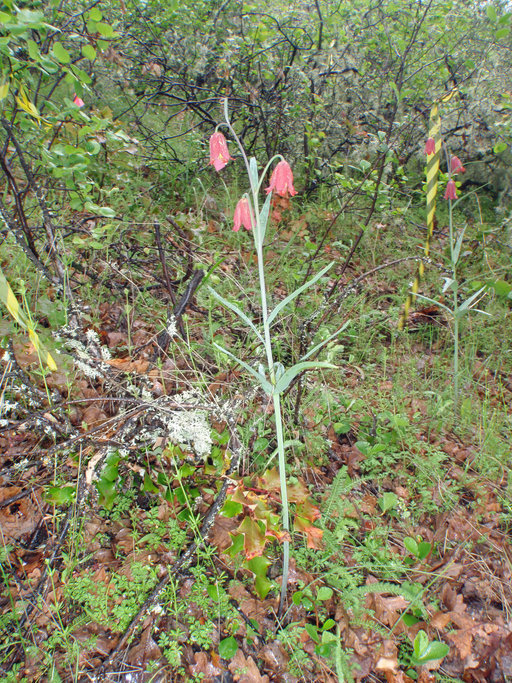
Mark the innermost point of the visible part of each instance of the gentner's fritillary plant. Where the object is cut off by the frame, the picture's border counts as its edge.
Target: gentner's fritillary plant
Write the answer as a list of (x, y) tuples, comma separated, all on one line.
[(457, 310), (272, 376)]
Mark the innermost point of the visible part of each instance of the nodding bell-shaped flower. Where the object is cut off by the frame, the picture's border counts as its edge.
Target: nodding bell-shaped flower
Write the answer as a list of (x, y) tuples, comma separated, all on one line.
[(219, 153), (281, 180), (78, 101), (430, 146), (451, 190), (242, 215), (456, 165)]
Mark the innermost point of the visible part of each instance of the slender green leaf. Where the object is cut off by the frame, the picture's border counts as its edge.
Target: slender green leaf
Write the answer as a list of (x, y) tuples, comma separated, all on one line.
[(296, 293), (264, 217), (292, 372), (467, 304), (436, 303), (253, 170), (325, 341), (458, 245), (265, 384), (238, 311)]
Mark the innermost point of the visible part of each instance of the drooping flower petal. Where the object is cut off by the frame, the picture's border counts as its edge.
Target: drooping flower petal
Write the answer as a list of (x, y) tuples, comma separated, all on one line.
[(219, 153), (456, 165), (242, 215), (281, 180), (430, 146), (78, 101), (451, 190)]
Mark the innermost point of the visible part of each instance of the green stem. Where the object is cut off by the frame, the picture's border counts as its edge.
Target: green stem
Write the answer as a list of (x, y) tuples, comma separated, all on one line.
[(455, 315), (278, 419), (284, 497)]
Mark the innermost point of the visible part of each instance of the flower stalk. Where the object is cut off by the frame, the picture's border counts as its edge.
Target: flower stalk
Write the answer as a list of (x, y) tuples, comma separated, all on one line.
[(275, 379)]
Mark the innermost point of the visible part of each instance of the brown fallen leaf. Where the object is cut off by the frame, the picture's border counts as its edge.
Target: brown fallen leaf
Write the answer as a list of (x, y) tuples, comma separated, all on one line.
[(145, 650), (204, 667), (244, 669), (129, 365)]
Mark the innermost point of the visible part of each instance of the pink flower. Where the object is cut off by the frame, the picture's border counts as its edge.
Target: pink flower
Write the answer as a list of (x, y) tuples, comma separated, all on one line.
[(219, 153), (456, 165), (451, 190), (281, 180), (78, 101), (430, 146), (242, 215)]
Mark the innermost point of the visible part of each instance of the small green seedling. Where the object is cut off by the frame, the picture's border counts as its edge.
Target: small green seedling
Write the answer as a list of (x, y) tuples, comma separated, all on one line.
[(420, 549), (425, 651)]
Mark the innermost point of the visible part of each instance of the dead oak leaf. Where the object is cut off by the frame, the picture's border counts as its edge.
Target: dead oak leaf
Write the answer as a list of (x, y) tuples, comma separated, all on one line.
[(145, 650), (244, 669), (204, 667)]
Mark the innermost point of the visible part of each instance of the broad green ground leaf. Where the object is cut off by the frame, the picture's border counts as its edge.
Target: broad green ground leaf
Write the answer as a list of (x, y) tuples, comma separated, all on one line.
[(411, 545), (60, 495), (228, 647), (259, 567)]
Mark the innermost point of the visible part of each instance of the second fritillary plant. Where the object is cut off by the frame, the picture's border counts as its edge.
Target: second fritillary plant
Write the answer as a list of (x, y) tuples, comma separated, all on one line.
[(457, 310), (253, 214)]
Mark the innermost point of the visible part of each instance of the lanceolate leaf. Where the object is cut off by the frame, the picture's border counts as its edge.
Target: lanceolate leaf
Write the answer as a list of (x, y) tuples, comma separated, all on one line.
[(253, 169), (458, 245), (238, 311), (325, 341), (436, 303), (467, 304), (264, 218), (292, 372), (265, 384), (296, 293)]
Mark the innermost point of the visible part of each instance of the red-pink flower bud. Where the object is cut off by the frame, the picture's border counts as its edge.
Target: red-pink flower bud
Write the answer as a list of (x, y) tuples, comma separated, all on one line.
[(281, 180), (242, 215), (78, 101), (219, 153), (456, 165), (430, 146), (451, 190)]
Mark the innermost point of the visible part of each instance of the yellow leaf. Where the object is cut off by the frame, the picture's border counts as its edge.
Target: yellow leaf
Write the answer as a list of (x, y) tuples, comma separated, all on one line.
[(25, 104)]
